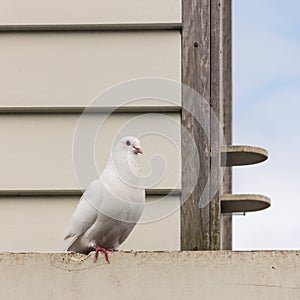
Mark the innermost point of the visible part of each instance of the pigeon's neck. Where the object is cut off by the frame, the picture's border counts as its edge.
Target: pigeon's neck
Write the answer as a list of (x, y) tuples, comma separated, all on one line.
[(121, 177), (126, 163)]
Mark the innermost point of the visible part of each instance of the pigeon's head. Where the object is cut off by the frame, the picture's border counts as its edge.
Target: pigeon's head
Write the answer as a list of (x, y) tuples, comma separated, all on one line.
[(131, 144)]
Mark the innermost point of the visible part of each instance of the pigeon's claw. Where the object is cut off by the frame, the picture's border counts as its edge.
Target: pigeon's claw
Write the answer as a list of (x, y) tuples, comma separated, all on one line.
[(104, 251)]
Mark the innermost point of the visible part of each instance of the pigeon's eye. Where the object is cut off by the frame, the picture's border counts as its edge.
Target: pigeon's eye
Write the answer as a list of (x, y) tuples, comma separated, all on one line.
[(128, 143)]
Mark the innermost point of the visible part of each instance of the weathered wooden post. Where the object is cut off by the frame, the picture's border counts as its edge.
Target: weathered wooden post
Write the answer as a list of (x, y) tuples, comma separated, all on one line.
[(226, 19), (202, 71), (196, 71), (206, 68)]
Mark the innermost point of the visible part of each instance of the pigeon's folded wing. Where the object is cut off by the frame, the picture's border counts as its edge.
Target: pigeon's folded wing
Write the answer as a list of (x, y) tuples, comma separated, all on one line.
[(83, 218)]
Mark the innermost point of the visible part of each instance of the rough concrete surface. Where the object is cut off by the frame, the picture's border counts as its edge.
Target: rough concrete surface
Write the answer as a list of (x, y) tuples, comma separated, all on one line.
[(151, 275)]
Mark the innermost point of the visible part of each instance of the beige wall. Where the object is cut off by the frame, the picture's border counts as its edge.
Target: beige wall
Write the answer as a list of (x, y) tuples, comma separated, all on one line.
[(89, 11), (48, 67), (70, 69), (152, 275), (39, 223), (36, 149)]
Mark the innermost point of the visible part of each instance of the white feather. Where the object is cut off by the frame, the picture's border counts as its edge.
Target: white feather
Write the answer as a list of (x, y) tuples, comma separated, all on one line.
[(111, 205)]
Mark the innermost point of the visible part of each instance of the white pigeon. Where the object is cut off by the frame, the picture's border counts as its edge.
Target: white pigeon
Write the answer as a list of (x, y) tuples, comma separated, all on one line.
[(111, 205)]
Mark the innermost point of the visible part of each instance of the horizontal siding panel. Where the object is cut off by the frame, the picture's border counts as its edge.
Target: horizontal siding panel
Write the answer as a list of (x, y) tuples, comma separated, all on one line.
[(77, 192), (39, 223), (90, 11), (36, 149), (72, 68), (140, 107)]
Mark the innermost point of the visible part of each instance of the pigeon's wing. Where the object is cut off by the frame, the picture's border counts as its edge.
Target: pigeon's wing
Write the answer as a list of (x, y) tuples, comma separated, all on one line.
[(84, 216)]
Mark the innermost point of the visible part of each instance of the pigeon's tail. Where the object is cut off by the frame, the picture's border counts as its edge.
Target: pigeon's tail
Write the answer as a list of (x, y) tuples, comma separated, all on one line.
[(68, 242)]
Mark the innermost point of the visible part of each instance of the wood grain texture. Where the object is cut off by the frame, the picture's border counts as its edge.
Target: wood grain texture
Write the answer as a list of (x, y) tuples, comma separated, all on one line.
[(206, 65), (216, 102), (195, 221), (226, 220)]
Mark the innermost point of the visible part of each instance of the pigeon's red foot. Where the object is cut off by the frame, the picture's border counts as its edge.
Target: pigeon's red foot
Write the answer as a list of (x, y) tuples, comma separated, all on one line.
[(104, 251)]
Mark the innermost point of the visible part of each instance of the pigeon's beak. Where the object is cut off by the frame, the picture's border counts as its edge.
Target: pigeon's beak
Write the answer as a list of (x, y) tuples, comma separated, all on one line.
[(138, 150)]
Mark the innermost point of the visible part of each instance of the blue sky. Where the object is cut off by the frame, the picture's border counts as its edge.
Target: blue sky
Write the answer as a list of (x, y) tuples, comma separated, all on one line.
[(266, 113)]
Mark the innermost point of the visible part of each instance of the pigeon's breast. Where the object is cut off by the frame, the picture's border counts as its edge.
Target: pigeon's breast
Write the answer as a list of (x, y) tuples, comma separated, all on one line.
[(127, 206)]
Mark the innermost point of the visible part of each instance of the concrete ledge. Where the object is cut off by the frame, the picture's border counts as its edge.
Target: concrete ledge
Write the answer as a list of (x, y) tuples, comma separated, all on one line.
[(242, 155), (231, 203), (151, 275)]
